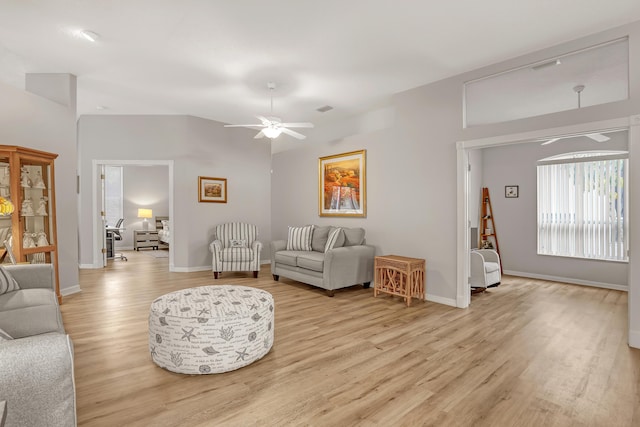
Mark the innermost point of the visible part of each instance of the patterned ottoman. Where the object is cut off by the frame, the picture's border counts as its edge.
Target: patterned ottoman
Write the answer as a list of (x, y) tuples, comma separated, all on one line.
[(210, 329)]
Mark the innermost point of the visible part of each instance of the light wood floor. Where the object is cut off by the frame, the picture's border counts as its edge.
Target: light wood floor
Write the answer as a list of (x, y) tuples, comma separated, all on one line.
[(528, 353)]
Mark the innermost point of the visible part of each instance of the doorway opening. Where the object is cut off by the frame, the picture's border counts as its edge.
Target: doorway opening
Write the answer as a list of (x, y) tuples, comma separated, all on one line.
[(467, 195), (147, 184)]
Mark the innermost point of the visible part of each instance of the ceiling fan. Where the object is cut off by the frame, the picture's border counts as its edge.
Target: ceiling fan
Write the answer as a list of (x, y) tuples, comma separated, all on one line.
[(272, 126), (598, 137)]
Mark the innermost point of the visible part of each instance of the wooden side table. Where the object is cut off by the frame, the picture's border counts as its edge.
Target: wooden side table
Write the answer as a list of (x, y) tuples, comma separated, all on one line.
[(398, 275)]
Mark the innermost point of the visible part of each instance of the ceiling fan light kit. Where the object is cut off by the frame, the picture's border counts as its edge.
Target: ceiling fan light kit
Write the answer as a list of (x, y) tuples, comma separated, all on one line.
[(272, 127)]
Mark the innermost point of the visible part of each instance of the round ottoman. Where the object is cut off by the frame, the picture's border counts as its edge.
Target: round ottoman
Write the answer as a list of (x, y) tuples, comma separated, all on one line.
[(210, 329)]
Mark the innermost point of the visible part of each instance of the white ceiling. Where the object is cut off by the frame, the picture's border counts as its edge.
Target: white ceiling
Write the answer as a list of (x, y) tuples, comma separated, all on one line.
[(213, 58)]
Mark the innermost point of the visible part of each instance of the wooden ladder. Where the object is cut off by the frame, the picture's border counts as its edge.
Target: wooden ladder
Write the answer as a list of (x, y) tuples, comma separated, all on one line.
[(487, 230)]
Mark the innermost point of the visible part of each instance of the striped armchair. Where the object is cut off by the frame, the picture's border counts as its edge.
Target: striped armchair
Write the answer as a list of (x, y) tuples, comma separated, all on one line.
[(236, 248)]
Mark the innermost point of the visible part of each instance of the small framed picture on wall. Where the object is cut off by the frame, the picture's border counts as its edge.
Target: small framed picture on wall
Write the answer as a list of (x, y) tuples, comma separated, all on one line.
[(511, 191)]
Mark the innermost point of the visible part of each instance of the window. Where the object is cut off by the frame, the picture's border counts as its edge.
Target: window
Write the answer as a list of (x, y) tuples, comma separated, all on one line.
[(582, 205), (113, 194)]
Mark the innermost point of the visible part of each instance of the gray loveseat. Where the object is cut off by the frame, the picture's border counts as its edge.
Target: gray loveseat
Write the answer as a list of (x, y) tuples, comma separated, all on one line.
[(349, 262), (36, 360)]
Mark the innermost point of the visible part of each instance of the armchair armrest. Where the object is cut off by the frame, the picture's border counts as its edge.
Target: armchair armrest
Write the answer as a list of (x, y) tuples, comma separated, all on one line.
[(348, 265), (31, 276), (36, 380), (215, 246), (489, 255)]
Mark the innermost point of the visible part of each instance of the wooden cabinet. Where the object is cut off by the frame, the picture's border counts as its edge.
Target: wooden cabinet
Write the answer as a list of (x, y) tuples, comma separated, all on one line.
[(145, 239), (27, 179)]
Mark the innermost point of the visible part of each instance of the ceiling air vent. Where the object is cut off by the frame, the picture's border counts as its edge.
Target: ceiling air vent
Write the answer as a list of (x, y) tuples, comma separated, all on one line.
[(325, 108)]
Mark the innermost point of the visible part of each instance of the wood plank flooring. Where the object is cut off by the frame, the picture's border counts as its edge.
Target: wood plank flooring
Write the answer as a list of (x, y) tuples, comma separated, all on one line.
[(528, 353)]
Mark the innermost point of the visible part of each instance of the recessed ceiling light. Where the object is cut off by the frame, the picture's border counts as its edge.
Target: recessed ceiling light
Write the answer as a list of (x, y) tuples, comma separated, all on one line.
[(101, 107), (89, 35)]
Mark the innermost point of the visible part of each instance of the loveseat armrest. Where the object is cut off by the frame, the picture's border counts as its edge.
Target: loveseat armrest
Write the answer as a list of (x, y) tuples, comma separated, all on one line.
[(36, 380), (31, 276), (348, 265), (276, 245)]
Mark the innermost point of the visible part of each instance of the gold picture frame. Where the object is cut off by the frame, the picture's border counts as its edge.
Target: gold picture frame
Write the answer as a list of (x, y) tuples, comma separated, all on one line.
[(212, 190), (342, 184)]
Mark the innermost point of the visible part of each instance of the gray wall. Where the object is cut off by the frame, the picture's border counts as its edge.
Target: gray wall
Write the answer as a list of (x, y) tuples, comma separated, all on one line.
[(198, 147), (31, 121), (412, 178), (516, 218)]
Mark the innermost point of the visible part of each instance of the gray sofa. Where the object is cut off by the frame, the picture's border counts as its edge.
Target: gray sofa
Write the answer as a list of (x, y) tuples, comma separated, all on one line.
[(348, 263), (36, 368)]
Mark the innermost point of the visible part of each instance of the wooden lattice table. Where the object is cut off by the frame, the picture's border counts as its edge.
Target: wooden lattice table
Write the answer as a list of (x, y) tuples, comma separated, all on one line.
[(398, 275)]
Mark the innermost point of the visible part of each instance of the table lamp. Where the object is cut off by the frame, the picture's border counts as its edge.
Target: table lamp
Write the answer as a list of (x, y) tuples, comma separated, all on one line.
[(146, 214)]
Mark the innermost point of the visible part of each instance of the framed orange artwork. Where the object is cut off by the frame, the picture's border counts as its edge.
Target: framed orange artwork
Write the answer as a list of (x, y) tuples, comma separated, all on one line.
[(342, 186), (212, 190)]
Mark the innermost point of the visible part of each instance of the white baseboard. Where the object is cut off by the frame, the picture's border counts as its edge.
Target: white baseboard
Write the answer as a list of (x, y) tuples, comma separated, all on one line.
[(634, 339), (89, 266), (191, 269), (441, 300), (70, 290), (613, 286)]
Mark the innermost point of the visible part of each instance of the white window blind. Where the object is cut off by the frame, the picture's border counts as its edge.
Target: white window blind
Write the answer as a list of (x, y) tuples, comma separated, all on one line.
[(113, 194), (582, 207)]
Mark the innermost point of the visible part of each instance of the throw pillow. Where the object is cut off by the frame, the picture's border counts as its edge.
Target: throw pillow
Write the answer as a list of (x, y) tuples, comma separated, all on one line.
[(299, 238), (353, 236), (5, 336), (165, 224), (7, 282), (238, 243), (319, 238), (333, 238)]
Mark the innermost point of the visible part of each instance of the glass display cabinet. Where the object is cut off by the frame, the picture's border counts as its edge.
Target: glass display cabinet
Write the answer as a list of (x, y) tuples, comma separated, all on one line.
[(28, 208)]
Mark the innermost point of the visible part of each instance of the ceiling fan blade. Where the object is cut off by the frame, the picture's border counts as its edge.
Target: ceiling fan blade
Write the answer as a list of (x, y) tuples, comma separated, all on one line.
[(259, 135), (293, 133), (265, 121), (243, 126), (598, 137), (298, 125), (551, 141)]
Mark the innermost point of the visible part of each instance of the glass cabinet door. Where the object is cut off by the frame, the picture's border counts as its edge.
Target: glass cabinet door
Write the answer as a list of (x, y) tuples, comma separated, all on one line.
[(35, 211), (7, 207)]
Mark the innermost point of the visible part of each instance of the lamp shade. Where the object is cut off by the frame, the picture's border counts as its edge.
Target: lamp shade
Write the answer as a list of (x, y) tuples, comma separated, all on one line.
[(145, 213)]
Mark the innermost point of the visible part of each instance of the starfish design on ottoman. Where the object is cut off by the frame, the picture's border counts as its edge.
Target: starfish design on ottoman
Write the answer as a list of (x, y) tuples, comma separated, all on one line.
[(211, 329)]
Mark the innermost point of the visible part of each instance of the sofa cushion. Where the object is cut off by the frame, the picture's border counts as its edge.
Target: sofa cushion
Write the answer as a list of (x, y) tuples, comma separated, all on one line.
[(340, 239), (319, 238), (28, 321), (237, 254), (299, 238), (5, 336), (27, 298), (312, 261), (353, 236), (333, 238), (288, 257), (7, 282)]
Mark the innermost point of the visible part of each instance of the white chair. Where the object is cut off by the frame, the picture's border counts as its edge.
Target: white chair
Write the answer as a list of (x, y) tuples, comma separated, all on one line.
[(485, 268)]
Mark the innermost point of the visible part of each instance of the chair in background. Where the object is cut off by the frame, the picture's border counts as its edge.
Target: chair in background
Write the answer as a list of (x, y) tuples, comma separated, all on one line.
[(485, 268), (236, 248), (118, 236)]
